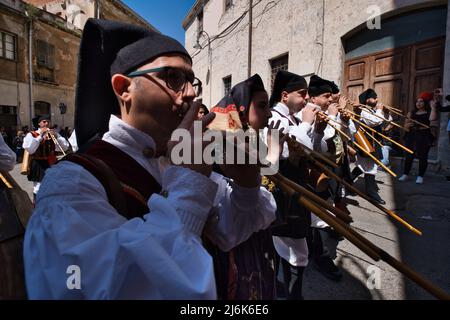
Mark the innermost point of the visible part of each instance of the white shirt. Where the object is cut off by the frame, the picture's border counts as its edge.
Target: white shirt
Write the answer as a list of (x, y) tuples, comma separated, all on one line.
[(301, 131), (73, 141), (31, 144), (366, 164), (370, 117), (158, 257), (319, 140), (7, 156)]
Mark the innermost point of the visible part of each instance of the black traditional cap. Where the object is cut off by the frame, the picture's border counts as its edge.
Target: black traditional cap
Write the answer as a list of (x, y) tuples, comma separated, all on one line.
[(35, 122), (369, 93), (318, 86), (43, 117), (334, 87), (286, 81), (108, 48)]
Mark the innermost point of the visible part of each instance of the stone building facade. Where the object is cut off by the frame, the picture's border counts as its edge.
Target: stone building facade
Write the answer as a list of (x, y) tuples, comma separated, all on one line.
[(398, 47), (53, 28)]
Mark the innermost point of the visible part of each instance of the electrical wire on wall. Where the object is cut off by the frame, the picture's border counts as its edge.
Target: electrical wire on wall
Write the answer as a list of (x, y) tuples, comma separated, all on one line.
[(266, 9), (226, 34), (233, 26), (228, 30)]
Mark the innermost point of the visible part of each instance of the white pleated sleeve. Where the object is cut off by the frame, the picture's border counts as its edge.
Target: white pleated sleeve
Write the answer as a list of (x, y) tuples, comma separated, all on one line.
[(158, 257), (30, 143), (238, 212)]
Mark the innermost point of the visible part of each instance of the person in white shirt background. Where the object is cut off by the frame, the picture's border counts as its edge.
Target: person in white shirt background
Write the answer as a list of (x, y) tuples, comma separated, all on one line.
[(42, 149), (374, 118)]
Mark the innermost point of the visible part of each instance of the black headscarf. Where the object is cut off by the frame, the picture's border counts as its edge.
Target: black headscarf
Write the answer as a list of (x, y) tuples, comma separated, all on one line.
[(240, 97), (108, 48)]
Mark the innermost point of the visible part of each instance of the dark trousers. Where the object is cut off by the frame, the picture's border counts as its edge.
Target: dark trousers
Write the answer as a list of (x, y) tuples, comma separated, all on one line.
[(316, 246), (423, 163), (420, 143)]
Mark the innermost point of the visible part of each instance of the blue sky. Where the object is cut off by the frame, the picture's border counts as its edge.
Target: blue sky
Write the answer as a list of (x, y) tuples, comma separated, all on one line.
[(165, 15)]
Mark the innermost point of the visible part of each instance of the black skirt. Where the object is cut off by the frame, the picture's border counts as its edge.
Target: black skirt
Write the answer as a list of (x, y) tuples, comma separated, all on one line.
[(293, 220), (37, 170)]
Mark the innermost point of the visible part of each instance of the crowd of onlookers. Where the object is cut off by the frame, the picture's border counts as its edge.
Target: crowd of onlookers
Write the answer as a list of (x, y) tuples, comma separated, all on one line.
[(14, 136)]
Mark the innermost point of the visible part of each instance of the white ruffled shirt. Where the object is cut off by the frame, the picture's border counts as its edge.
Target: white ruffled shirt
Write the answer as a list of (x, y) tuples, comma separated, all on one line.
[(287, 122), (372, 119), (31, 144), (158, 257)]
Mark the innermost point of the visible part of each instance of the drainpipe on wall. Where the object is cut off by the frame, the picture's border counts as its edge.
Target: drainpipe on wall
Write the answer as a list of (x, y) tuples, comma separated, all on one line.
[(250, 34), (30, 67), (19, 107)]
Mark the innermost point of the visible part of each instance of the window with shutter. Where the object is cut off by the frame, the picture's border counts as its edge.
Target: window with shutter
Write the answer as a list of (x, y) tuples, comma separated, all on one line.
[(278, 64), (226, 85), (45, 54), (41, 53), (7, 46)]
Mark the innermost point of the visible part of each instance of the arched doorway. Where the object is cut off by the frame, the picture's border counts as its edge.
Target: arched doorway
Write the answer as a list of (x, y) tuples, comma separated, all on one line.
[(400, 60)]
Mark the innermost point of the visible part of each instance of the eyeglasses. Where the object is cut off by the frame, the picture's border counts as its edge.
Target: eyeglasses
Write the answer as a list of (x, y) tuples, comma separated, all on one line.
[(175, 78)]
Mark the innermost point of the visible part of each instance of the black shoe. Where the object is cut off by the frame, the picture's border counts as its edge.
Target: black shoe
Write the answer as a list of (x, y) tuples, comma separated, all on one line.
[(327, 267), (379, 200), (372, 188), (334, 234)]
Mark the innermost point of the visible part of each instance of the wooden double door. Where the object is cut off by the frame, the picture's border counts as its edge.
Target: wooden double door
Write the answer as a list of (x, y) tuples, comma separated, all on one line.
[(397, 75)]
